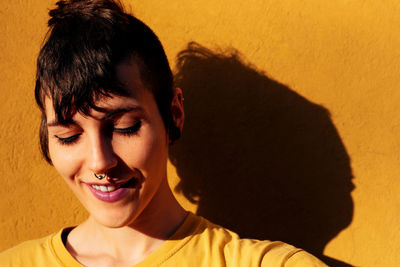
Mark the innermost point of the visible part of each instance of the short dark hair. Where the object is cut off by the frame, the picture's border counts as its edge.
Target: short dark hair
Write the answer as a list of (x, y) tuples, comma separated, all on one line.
[(76, 64)]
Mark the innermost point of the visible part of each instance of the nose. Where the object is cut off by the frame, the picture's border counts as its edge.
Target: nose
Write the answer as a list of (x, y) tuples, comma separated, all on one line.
[(101, 154)]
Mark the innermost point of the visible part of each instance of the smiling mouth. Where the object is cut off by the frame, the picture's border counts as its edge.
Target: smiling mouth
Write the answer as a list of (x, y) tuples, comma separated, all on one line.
[(112, 192), (112, 187), (104, 188)]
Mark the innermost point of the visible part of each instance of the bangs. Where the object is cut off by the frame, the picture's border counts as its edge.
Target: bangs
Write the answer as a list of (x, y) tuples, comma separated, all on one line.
[(73, 96)]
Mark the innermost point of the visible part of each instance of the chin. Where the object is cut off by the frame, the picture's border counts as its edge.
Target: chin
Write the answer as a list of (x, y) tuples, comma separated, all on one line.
[(114, 217)]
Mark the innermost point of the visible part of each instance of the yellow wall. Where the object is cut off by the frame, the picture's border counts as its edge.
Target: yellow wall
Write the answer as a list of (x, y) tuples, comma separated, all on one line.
[(261, 123)]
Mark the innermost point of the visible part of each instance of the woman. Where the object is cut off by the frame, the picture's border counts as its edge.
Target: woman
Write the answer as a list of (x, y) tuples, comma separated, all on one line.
[(109, 113)]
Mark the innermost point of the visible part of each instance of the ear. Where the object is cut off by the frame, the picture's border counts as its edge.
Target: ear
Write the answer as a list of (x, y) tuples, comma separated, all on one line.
[(177, 112)]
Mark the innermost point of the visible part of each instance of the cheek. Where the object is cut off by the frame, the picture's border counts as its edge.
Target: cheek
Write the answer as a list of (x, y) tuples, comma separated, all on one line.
[(66, 161), (146, 154), (155, 155)]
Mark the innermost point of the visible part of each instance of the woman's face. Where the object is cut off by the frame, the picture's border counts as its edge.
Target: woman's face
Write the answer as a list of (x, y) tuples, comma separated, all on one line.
[(128, 142)]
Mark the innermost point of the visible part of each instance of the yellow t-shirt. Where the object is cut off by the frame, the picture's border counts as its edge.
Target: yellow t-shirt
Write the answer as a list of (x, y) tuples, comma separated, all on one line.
[(196, 243)]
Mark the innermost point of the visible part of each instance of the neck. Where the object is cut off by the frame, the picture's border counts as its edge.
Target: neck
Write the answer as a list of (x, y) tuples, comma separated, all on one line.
[(162, 216)]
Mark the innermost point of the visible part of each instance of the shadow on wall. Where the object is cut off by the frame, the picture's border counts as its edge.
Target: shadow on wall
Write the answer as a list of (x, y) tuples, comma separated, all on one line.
[(257, 157)]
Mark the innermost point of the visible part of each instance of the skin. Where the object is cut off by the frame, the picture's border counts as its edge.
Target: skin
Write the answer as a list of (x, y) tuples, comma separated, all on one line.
[(130, 143)]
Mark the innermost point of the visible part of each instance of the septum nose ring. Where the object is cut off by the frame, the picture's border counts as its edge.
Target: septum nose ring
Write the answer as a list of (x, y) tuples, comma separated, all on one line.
[(100, 176)]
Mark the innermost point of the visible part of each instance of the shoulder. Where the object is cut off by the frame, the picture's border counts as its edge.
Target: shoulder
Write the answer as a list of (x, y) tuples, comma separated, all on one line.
[(268, 253), (36, 252), (236, 251), (303, 258)]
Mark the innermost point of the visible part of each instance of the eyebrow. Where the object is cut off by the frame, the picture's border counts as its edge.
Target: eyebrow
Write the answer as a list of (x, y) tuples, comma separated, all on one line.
[(120, 110), (108, 115)]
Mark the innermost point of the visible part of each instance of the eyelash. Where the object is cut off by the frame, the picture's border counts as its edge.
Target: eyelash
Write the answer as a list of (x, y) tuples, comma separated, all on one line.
[(132, 130), (68, 140)]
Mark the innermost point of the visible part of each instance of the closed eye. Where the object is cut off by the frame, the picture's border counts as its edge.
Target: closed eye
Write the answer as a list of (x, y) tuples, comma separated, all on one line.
[(130, 130), (68, 140)]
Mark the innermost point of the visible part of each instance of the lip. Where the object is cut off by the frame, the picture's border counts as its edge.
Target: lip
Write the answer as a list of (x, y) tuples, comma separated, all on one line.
[(109, 196)]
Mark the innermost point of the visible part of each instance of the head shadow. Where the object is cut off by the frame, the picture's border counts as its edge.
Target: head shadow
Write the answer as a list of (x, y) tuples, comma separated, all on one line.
[(257, 157)]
